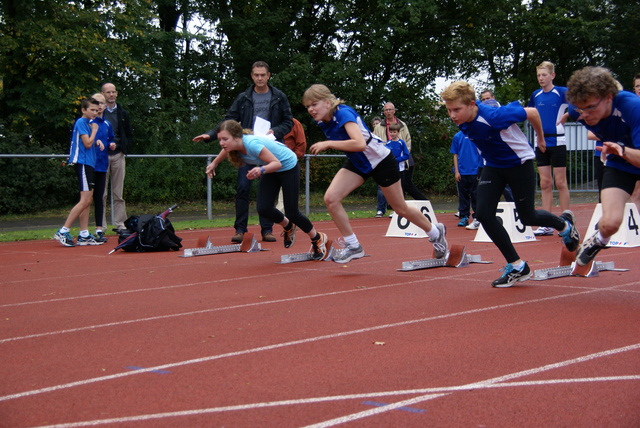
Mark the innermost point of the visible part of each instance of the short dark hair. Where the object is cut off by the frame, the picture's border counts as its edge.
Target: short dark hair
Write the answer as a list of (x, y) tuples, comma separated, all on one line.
[(84, 104), (260, 64), (395, 127)]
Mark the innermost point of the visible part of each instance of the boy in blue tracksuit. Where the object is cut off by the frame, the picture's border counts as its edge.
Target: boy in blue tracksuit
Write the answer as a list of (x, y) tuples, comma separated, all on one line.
[(509, 161), (82, 157), (466, 160), (400, 150), (106, 136)]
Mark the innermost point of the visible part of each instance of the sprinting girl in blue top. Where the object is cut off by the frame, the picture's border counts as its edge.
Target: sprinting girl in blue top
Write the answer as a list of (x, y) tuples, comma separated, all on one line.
[(276, 167), (367, 156)]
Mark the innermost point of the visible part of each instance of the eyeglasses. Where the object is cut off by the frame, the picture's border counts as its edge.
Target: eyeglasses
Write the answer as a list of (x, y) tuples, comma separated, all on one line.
[(590, 108), (389, 109)]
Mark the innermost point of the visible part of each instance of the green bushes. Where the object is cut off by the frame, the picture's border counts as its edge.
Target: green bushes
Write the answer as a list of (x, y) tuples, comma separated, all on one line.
[(35, 185)]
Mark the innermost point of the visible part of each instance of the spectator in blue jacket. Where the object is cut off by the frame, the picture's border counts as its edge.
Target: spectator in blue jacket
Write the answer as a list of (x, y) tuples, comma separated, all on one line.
[(466, 161)]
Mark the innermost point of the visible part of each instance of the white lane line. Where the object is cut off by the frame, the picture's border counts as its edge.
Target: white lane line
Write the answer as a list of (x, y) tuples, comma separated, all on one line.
[(203, 311), (429, 394), (279, 345)]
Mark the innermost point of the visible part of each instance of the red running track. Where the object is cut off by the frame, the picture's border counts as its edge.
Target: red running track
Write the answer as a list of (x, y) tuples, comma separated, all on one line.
[(238, 340)]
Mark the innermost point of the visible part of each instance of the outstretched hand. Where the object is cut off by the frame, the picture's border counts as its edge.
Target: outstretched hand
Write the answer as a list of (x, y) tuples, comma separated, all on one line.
[(210, 170), (318, 147), (609, 148)]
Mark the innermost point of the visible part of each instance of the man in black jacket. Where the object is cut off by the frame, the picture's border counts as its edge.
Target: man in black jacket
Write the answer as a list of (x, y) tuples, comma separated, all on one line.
[(123, 137), (269, 103)]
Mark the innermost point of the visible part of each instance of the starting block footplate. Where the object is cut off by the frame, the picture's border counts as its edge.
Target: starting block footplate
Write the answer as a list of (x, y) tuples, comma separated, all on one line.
[(249, 245), (456, 257), (307, 257)]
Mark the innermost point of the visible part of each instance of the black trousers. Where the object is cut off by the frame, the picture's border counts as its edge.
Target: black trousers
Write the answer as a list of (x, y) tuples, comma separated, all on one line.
[(522, 180)]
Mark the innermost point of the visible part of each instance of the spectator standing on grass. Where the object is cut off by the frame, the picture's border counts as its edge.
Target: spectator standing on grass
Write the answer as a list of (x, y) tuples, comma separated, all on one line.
[(83, 158), (509, 160), (367, 156), (261, 100), (466, 161), (613, 116), (119, 119), (551, 103), (382, 131), (401, 153), (106, 137)]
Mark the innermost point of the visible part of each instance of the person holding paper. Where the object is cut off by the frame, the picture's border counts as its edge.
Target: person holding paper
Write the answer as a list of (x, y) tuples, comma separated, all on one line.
[(267, 107)]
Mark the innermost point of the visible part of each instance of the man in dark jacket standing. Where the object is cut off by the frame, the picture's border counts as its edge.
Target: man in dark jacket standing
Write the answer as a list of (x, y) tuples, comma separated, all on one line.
[(271, 104), (123, 137)]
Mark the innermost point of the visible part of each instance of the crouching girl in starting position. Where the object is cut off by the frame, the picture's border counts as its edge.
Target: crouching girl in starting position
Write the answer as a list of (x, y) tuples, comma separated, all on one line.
[(277, 167)]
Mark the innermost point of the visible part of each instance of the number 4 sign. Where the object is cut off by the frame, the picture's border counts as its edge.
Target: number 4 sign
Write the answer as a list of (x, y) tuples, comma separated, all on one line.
[(508, 216), (628, 235)]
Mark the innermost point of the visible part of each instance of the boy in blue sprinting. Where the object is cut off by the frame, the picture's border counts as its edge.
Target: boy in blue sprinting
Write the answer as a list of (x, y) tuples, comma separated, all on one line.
[(509, 161), (82, 157), (613, 116)]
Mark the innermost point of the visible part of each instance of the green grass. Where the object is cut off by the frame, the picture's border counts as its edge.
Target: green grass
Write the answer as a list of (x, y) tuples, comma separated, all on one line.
[(222, 213)]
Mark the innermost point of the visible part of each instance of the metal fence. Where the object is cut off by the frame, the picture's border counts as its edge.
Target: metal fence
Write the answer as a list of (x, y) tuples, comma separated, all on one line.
[(580, 157), (580, 171)]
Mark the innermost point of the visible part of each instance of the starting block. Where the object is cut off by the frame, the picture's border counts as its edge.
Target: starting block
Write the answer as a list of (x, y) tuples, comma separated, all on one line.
[(457, 257), (307, 257), (569, 267), (206, 247)]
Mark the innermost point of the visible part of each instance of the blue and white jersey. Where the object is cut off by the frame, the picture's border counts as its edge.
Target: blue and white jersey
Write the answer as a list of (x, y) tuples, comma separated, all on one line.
[(78, 153), (551, 106), (469, 159), (400, 151), (375, 152), (254, 145), (104, 134), (622, 125), (500, 141)]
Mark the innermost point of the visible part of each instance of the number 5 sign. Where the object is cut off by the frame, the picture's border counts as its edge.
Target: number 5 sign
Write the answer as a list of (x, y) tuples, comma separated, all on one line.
[(628, 235), (400, 227), (508, 216)]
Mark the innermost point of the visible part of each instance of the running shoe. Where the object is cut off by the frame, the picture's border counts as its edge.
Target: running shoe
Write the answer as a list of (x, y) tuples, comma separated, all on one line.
[(64, 238), (474, 225), (571, 236), (543, 231), (289, 236), (464, 221), (347, 254), (588, 250), (510, 276), (100, 236), (379, 214), (88, 240), (319, 247), (440, 245)]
